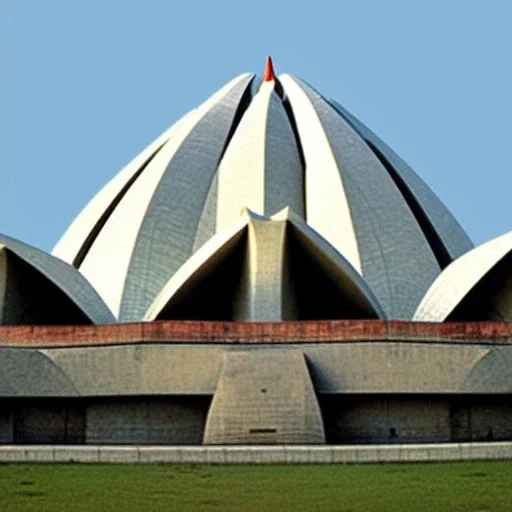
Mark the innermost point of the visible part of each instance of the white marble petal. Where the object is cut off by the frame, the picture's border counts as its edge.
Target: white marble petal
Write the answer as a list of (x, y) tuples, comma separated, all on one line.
[(261, 169), (327, 206), (458, 279), (107, 262), (395, 258), (59, 273), (451, 234)]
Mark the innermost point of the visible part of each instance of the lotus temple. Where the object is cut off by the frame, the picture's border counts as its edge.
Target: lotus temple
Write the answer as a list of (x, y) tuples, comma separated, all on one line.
[(267, 271)]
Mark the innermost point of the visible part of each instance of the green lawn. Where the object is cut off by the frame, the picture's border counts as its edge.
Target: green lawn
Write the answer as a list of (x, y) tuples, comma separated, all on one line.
[(460, 487)]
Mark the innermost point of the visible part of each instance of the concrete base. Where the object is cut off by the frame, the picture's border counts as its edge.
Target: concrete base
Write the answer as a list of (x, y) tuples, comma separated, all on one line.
[(264, 397), (288, 454)]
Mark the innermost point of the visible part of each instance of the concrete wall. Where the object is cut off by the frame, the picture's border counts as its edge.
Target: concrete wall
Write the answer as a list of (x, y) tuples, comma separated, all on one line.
[(374, 419), (264, 397), (6, 425), (279, 415), (165, 420), (118, 420), (194, 369), (416, 419), (490, 423), (487, 418), (49, 422)]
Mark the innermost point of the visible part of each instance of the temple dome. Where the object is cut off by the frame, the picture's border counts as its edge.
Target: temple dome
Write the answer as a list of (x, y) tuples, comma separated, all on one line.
[(264, 145)]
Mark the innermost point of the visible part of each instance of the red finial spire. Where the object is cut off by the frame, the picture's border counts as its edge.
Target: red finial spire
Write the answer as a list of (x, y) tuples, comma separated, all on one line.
[(269, 75)]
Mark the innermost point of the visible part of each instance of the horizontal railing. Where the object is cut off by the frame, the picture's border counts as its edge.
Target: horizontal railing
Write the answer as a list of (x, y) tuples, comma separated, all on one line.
[(282, 454)]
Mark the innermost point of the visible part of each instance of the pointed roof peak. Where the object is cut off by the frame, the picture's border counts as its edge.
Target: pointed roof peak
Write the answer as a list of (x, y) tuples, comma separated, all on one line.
[(269, 75)]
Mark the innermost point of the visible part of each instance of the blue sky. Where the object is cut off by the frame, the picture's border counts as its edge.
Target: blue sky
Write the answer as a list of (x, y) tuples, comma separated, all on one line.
[(86, 85)]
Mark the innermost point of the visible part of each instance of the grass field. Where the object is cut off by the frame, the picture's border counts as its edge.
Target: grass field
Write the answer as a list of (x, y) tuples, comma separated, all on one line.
[(460, 487)]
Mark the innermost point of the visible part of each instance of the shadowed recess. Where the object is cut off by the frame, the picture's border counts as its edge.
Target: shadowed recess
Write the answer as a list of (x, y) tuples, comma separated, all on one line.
[(490, 298), (318, 295), (211, 292), (34, 299)]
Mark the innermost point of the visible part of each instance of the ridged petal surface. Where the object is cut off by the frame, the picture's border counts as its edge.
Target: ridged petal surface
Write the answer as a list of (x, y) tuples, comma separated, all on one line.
[(151, 233), (264, 146), (455, 241), (396, 259), (75, 242), (261, 169), (327, 206)]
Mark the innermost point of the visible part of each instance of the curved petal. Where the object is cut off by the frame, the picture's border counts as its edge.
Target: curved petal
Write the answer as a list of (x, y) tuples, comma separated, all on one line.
[(357, 207), (457, 280), (80, 235), (198, 264), (338, 267), (261, 163), (151, 232), (60, 274), (271, 279), (448, 231)]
